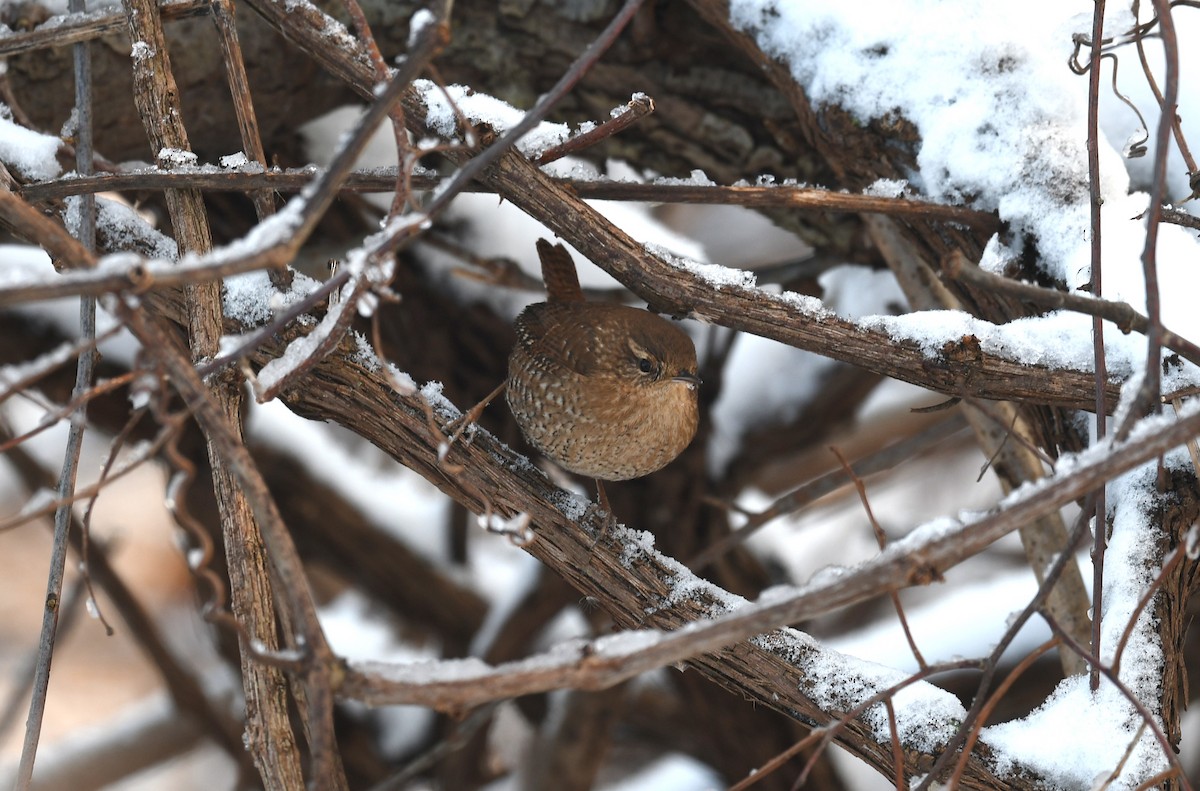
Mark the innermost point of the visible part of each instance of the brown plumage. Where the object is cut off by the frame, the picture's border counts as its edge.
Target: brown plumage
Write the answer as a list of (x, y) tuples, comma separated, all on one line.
[(604, 390)]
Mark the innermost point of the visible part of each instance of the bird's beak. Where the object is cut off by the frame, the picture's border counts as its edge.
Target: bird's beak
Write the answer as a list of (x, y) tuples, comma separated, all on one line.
[(689, 379)]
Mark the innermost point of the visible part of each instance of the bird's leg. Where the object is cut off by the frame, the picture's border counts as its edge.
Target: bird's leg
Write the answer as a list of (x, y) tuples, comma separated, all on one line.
[(610, 520), (457, 426), (603, 497)]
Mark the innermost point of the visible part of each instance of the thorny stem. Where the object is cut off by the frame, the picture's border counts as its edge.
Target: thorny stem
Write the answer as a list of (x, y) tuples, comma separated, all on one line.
[(84, 374), (1099, 538)]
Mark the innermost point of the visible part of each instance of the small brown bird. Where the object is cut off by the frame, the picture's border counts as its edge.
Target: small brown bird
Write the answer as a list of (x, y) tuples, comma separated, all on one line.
[(604, 390)]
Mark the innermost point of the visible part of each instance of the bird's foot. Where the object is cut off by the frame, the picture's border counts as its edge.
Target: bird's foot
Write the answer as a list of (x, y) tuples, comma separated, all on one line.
[(605, 517)]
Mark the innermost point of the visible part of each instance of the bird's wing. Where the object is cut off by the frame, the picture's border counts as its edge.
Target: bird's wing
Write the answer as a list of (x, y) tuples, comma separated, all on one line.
[(560, 334)]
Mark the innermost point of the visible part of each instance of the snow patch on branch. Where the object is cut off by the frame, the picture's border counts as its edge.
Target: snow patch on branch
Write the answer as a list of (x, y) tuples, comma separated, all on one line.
[(30, 153), (1077, 735), (479, 108)]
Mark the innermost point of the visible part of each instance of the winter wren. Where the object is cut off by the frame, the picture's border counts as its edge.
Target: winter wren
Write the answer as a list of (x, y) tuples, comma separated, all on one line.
[(605, 390)]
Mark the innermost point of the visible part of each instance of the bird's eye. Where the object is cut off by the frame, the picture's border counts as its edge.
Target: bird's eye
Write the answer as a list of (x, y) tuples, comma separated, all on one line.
[(645, 365)]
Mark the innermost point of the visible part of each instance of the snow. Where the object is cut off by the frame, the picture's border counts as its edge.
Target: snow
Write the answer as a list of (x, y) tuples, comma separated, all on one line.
[(123, 228), (715, 275), (1093, 729), (13, 373), (1090, 732), (673, 771), (479, 108), (887, 188), (1002, 125), (417, 24), (174, 158), (979, 590), (253, 300), (30, 153), (766, 381), (237, 161), (26, 264), (925, 715), (697, 178), (140, 52), (1058, 340), (1001, 122)]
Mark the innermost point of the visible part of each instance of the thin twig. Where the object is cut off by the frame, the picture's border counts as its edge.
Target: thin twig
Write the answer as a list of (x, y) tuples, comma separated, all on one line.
[(638, 108), (772, 196), (1140, 40), (1146, 716), (994, 699), (1122, 314), (146, 452), (1148, 397), (991, 666), (897, 749), (1099, 538), (831, 481), (84, 374), (1129, 748), (53, 416), (25, 669), (185, 689), (49, 362), (881, 539)]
